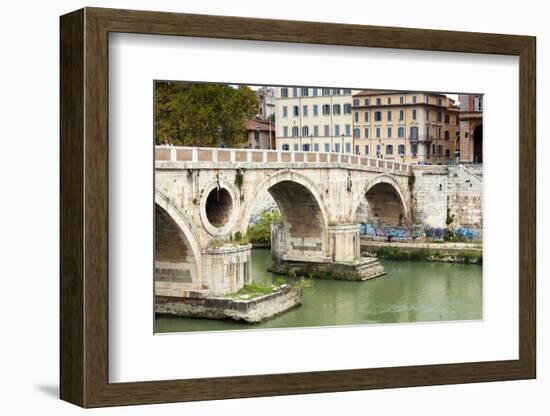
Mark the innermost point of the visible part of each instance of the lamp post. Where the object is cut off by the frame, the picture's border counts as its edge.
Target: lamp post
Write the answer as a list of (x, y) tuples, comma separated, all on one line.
[(342, 142), (311, 142)]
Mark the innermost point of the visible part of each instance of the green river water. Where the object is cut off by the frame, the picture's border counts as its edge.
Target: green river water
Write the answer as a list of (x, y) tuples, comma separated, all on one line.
[(409, 292)]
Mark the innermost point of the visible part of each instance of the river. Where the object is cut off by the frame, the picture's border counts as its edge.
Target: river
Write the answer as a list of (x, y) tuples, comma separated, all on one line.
[(409, 292)]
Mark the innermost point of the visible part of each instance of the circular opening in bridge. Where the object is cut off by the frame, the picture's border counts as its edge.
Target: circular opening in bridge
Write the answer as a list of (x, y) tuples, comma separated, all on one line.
[(218, 207)]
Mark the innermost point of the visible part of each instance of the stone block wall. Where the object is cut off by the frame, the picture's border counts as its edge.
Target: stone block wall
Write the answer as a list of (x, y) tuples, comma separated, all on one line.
[(437, 188)]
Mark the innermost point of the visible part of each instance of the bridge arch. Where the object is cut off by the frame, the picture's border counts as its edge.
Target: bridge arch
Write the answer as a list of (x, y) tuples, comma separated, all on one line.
[(304, 217), (178, 255), (383, 200)]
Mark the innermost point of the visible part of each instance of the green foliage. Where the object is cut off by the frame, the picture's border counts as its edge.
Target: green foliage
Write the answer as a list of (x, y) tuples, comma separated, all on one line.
[(261, 231), (216, 244), (194, 114), (241, 239), (239, 179), (450, 218)]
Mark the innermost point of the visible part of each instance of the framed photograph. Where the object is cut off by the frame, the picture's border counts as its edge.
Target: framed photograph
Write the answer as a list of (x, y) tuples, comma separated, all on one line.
[(254, 207)]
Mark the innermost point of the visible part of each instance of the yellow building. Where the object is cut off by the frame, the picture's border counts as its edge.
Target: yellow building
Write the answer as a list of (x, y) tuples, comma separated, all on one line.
[(413, 127), (314, 119)]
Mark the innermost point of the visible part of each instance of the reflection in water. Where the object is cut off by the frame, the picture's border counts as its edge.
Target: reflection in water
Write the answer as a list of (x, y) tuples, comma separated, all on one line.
[(409, 292)]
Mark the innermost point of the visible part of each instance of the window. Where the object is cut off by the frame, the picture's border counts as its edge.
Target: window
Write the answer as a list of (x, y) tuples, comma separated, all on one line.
[(336, 91), (315, 94), (285, 147), (378, 101), (378, 150), (327, 147), (356, 117), (366, 116), (284, 94), (326, 91), (438, 133), (433, 149), (296, 111), (389, 131), (355, 102), (316, 147), (305, 92), (366, 132), (336, 109), (327, 130), (294, 131), (414, 133), (315, 110), (414, 149), (304, 110), (348, 130), (316, 131), (294, 92), (295, 147), (285, 131), (346, 92), (439, 102), (439, 116), (356, 133), (356, 149), (401, 115), (337, 147), (326, 109), (389, 100), (305, 131), (348, 147), (440, 150), (337, 130), (367, 101), (389, 115), (401, 100), (414, 99), (378, 116), (401, 132), (447, 153), (478, 104), (414, 114), (347, 108), (366, 149), (447, 136), (378, 132), (401, 149), (285, 111), (305, 147), (447, 118)]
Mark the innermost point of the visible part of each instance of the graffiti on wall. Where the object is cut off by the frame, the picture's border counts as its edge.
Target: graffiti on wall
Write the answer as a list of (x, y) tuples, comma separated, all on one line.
[(462, 233), (468, 233)]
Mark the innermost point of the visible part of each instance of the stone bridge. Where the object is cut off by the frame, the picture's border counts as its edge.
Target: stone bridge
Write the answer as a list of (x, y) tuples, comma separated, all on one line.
[(204, 199)]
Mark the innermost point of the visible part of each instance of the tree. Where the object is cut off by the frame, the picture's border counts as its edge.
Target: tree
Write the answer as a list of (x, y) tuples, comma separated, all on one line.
[(193, 114)]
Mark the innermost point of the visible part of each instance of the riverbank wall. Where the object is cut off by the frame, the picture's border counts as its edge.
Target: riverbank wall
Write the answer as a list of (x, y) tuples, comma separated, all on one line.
[(444, 252), (248, 310)]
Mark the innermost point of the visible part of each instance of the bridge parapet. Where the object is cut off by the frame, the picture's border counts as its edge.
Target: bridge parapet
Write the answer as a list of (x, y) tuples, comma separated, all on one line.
[(272, 158)]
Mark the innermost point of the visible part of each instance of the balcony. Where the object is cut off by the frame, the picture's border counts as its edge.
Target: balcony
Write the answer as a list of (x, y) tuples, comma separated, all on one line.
[(421, 138)]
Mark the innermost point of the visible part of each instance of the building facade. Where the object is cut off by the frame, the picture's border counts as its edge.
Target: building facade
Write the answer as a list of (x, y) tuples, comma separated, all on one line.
[(314, 119), (470, 143), (260, 134), (266, 103), (412, 127)]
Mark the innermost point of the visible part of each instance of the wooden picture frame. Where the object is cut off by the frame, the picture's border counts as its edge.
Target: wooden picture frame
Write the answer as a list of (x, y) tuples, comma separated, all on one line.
[(84, 207)]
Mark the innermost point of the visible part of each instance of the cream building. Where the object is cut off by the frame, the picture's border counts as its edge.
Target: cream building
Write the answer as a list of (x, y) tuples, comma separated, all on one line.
[(314, 119), (413, 127)]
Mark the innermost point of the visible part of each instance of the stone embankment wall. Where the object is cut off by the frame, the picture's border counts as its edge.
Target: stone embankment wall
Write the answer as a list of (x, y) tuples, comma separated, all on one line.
[(436, 188)]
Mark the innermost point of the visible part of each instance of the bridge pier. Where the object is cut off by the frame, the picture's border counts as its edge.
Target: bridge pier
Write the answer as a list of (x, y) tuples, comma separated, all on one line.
[(344, 261), (226, 269)]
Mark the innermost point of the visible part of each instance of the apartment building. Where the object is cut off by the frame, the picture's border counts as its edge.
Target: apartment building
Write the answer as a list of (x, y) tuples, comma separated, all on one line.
[(470, 145), (314, 119), (413, 127)]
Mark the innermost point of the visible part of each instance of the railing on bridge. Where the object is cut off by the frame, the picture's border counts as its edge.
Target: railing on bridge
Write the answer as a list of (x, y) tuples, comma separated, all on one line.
[(210, 154)]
